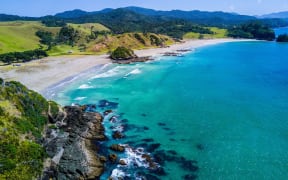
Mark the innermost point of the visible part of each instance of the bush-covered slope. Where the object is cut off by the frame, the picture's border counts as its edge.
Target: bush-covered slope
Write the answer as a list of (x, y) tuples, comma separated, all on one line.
[(23, 114)]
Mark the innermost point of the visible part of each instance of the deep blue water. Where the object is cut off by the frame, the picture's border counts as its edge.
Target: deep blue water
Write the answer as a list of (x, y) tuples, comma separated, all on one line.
[(219, 112)]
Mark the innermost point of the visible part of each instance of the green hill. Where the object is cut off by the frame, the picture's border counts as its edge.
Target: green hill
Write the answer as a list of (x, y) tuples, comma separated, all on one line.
[(20, 35), (92, 38)]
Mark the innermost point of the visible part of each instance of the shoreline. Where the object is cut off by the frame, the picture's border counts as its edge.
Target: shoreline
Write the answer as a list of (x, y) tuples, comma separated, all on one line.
[(40, 75)]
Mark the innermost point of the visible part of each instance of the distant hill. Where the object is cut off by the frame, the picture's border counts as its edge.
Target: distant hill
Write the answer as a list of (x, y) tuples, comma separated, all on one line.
[(143, 15), (6, 17), (196, 16), (76, 13), (199, 17), (283, 15)]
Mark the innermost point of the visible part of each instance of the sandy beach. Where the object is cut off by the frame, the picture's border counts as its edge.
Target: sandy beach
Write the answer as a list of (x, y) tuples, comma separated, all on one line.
[(41, 74)]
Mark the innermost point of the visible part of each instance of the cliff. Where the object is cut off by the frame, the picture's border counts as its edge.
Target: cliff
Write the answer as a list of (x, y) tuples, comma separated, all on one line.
[(37, 134)]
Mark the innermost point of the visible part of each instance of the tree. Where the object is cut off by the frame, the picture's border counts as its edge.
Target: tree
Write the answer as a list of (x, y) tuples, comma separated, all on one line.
[(282, 38), (46, 38), (253, 30), (68, 35), (122, 53)]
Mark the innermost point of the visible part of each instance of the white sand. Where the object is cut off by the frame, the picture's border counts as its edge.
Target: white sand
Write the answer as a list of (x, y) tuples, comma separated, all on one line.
[(41, 74)]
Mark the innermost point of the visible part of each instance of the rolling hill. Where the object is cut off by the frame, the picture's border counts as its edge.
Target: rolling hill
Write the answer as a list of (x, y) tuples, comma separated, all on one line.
[(20, 35)]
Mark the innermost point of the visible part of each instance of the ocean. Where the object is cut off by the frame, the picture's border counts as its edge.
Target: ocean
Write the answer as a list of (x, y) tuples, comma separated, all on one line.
[(218, 112)]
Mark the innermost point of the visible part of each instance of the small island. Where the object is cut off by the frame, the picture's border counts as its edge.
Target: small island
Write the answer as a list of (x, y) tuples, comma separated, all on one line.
[(123, 55), (282, 38)]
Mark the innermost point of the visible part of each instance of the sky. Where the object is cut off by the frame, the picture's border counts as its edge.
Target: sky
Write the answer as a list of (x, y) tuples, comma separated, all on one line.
[(38, 8)]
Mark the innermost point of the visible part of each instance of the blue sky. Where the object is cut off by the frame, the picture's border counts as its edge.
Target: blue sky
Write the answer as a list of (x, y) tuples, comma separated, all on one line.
[(50, 7)]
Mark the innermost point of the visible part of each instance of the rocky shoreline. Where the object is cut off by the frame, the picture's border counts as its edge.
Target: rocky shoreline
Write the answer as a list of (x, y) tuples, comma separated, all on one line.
[(69, 145), (80, 147), (133, 60)]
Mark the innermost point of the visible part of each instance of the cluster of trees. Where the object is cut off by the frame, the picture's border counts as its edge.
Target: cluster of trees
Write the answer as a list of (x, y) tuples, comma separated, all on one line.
[(45, 38), (15, 57), (282, 38), (51, 21), (95, 34), (68, 35), (122, 53), (252, 30)]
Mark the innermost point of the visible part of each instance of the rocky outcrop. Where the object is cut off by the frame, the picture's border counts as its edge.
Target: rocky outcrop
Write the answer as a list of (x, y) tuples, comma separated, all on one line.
[(117, 147), (133, 60), (71, 147)]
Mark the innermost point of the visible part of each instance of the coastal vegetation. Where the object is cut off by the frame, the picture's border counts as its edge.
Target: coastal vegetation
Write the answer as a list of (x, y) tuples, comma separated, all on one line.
[(122, 53), (252, 30), (23, 115), (282, 38), (19, 57)]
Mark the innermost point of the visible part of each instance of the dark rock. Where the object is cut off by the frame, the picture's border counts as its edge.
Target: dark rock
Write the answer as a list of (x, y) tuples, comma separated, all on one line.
[(161, 124), (146, 128), (107, 112), (200, 147), (190, 177), (148, 158), (159, 171), (144, 115), (116, 147), (103, 158), (122, 162), (124, 120), (190, 165), (148, 140), (103, 103), (172, 152), (153, 147), (117, 135), (135, 128), (113, 158), (113, 119), (160, 157)]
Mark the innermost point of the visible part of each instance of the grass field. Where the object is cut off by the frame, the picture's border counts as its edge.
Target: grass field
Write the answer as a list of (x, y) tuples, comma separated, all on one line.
[(20, 36), (86, 28), (218, 33)]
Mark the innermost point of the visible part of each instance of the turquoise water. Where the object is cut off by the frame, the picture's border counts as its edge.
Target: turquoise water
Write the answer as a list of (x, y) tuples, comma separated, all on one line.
[(224, 106)]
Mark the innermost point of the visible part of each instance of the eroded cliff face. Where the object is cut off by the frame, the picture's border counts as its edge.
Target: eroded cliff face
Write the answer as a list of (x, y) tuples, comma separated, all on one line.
[(70, 145)]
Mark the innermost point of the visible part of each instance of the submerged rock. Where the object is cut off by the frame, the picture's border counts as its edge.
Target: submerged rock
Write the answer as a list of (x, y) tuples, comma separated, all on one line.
[(117, 135), (122, 162), (116, 147), (190, 177), (113, 158)]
